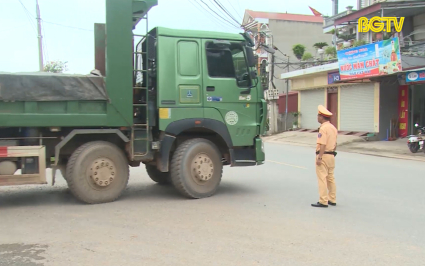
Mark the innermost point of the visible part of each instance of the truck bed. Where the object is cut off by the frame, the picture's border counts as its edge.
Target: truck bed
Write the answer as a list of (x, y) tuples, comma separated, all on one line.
[(42, 86), (56, 100)]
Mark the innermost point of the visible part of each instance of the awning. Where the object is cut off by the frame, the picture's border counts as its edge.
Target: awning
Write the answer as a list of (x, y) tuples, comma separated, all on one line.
[(310, 71)]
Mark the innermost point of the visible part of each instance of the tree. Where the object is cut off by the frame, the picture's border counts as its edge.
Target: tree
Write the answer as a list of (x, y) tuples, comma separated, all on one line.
[(298, 50), (56, 66), (320, 45)]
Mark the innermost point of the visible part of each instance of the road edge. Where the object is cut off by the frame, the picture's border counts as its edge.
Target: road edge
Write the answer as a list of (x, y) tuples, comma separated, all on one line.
[(364, 152)]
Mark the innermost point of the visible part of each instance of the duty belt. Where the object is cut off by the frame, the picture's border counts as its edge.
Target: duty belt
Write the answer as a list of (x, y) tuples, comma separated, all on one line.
[(327, 152)]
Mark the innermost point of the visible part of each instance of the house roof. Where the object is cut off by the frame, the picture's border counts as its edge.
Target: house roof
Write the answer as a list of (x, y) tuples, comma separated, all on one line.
[(285, 16)]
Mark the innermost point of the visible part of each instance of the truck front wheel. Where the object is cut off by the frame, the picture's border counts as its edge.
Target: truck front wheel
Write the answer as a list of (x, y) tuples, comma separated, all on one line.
[(97, 172), (158, 176), (196, 168)]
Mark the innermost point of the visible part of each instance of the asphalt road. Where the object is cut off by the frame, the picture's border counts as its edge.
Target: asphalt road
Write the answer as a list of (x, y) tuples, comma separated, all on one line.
[(260, 216)]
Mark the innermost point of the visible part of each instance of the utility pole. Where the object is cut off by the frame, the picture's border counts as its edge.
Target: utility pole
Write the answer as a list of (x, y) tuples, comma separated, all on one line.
[(272, 98), (40, 38), (286, 98)]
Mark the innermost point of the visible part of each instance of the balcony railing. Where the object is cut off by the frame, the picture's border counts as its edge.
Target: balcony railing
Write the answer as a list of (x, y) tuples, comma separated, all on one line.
[(414, 48), (329, 21)]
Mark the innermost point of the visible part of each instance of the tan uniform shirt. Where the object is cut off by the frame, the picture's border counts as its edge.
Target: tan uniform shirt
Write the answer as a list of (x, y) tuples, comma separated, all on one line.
[(327, 136)]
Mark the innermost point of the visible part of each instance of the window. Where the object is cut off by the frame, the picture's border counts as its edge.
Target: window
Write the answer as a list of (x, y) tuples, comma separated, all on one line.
[(228, 63), (188, 60)]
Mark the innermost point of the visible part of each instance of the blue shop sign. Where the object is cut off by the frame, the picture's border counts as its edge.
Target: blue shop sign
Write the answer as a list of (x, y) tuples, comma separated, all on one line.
[(333, 77), (415, 76)]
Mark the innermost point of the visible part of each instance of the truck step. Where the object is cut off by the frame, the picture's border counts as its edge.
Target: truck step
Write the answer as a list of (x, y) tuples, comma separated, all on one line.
[(140, 105), (139, 53), (139, 88)]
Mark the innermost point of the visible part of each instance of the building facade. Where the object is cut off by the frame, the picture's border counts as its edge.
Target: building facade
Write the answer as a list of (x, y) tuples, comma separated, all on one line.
[(355, 106), (284, 30), (386, 100)]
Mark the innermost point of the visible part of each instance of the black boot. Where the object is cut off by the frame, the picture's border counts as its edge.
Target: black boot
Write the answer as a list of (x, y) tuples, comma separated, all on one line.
[(319, 205)]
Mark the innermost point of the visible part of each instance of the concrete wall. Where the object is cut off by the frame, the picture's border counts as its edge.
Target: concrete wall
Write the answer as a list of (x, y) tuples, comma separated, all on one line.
[(281, 122), (288, 33), (388, 104)]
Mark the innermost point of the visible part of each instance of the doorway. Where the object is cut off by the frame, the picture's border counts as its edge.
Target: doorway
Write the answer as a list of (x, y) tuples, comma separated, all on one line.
[(332, 106)]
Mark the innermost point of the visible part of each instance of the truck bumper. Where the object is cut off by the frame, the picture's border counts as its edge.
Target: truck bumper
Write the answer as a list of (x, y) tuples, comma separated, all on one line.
[(248, 156), (260, 155)]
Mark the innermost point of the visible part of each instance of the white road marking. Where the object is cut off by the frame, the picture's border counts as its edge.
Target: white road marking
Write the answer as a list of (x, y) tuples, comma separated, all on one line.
[(291, 165)]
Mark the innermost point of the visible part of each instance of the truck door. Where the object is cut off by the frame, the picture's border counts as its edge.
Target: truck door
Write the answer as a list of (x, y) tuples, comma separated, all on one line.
[(227, 96)]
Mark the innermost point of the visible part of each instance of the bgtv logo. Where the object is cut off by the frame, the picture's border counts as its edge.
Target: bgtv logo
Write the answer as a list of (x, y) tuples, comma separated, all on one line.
[(376, 24)]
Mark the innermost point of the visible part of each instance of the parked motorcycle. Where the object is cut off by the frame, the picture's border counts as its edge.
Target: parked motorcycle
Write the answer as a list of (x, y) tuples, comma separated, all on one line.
[(416, 142)]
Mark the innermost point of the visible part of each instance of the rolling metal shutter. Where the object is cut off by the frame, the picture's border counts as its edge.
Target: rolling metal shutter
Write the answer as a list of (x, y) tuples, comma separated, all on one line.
[(310, 99), (357, 108)]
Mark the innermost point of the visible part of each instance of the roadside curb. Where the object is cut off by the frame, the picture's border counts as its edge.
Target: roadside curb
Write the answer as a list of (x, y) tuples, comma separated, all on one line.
[(343, 149)]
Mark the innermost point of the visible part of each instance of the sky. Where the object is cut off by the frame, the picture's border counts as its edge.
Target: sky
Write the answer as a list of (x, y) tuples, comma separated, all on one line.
[(68, 26)]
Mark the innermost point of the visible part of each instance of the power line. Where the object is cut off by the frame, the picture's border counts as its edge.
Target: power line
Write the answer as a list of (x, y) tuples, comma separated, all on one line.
[(66, 26), (214, 4), (28, 15), (235, 9), (227, 12), (231, 23), (201, 8)]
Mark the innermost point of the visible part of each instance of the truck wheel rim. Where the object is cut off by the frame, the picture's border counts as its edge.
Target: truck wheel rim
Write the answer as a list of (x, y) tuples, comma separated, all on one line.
[(202, 168), (103, 172)]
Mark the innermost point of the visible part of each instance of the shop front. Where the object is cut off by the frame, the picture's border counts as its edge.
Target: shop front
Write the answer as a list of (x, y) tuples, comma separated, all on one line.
[(355, 106), (412, 102)]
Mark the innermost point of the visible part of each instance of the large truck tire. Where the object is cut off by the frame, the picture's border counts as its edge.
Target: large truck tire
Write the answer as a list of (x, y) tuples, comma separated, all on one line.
[(158, 176), (196, 168), (97, 172)]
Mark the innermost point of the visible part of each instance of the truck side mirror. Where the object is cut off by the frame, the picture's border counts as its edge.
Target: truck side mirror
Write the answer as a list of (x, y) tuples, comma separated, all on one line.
[(253, 74), (250, 57)]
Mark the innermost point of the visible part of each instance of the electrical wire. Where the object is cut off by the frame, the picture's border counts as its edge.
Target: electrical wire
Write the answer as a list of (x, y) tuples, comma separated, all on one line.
[(66, 26), (226, 11), (201, 8), (235, 9), (28, 15), (219, 14)]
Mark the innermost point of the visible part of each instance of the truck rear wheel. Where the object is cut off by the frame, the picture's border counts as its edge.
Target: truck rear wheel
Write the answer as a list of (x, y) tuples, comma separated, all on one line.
[(158, 176), (97, 172), (196, 168)]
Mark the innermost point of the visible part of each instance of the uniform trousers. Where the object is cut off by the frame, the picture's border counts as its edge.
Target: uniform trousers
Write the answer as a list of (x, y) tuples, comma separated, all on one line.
[(326, 179)]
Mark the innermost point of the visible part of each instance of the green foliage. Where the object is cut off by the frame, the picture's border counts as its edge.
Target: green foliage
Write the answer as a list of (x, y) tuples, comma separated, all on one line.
[(331, 51), (298, 50), (295, 115), (307, 56), (55, 67), (346, 37), (359, 43), (320, 45)]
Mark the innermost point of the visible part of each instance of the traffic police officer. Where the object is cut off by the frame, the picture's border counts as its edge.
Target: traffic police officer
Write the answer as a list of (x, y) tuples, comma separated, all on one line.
[(325, 159)]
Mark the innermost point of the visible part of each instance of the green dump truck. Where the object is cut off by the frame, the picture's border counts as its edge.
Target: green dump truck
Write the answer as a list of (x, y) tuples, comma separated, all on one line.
[(184, 103)]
